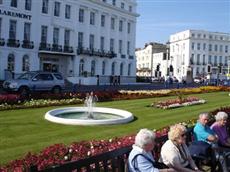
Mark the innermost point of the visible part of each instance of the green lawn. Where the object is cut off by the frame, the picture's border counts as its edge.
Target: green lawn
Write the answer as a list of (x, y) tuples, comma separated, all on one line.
[(26, 130)]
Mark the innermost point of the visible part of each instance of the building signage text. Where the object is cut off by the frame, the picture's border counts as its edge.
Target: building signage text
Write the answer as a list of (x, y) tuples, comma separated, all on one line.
[(14, 14)]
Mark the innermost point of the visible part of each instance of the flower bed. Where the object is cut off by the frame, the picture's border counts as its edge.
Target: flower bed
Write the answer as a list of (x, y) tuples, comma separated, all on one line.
[(60, 153), (14, 101), (175, 103)]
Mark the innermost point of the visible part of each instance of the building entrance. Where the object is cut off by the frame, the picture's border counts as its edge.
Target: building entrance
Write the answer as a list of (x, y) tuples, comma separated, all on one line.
[(49, 67)]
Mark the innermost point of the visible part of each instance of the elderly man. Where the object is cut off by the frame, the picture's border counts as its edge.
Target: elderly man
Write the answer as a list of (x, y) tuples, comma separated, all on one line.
[(203, 132), (140, 158)]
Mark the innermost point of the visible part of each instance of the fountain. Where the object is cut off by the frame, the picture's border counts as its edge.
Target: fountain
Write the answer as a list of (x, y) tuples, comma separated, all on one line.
[(89, 115)]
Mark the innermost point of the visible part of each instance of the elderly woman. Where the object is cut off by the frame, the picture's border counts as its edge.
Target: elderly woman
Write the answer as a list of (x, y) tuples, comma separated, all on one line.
[(175, 153), (219, 127), (141, 158)]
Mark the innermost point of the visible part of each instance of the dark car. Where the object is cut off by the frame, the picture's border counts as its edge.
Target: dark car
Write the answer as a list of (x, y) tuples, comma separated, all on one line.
[(35, 81)]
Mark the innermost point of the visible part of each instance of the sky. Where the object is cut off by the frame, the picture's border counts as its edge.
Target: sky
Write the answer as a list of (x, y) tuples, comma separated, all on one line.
[(160, 18)]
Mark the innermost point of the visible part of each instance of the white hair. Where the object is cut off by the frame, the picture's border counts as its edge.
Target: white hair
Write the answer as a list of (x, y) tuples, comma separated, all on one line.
[(203, 114), (144, 137), (221, 115)]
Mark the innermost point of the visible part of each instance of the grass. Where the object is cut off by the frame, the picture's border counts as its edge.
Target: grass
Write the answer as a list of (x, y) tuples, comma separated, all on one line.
[(26, 130)]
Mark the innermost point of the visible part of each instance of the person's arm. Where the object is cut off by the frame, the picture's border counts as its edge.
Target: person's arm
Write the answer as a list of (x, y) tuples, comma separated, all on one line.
[(212, 138)]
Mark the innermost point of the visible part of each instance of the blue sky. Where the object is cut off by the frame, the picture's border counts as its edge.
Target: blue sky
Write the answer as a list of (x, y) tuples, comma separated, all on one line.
[(160, 18)]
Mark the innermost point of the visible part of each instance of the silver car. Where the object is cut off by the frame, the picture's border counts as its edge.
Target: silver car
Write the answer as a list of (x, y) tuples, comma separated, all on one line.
[(35, 81)]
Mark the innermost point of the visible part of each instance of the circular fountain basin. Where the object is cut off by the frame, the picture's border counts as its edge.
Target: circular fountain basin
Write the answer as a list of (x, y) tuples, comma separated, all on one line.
[(78, 116)]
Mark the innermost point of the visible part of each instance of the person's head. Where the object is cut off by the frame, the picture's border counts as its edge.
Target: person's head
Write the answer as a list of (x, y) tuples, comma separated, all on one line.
[(203, 118), (145, 139), (221, 118), (177, 133)]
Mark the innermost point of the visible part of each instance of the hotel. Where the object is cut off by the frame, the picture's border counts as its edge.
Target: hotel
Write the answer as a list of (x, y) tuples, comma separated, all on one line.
[(88, 41)]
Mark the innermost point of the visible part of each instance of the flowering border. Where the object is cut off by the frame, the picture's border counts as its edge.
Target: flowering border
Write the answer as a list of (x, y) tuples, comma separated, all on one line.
[(59, 153)]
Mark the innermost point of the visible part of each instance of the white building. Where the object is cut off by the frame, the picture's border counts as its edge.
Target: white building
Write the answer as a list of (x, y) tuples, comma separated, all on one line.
[(149, 58), (198, 53), (86, 40)]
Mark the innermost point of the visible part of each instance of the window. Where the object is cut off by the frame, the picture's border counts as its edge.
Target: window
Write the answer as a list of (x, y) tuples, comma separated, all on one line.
[(128, 47), (112, 23), (198, 46), (10, 62), (193, 45), (67, 37), (12, 31), (120, 25), (113, 68), (215, 60), (58, 76), (44, 34), (210, 47), (199, 35), (226, 60), (0, 27), (221, 48), (122, 5), (204, 36), (27, 31), (130, 8), (56, 36), (121, 69), (67, 11), (102, 20), (226, 49), (114, 2), (92, 18), (1, 2), (203, 59), (57, 9), (91, 41), (45, 5), (129, 69), (128, 27), (102, 43), (216, 48), (103, 68), (220, 60), (193, 35), (209, 59), (192, 59), (81, 67), (25, 63), (93, 68), (14, 3), (28, 5), (204, 46), (80, 39), (81, 15), (111, 44), (198, 59), (120, 47)]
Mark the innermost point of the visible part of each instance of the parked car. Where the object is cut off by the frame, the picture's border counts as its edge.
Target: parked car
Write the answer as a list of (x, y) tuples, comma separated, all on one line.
[(35, 81), (198, 80)]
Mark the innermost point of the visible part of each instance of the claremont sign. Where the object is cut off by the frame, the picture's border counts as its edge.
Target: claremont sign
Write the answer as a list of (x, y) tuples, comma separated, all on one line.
[(15, 14)]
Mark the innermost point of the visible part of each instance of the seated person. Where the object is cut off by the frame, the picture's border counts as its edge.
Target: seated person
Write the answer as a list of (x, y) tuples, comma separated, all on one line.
[(203, 132), (219, 127), (175, 153), (141, 158)]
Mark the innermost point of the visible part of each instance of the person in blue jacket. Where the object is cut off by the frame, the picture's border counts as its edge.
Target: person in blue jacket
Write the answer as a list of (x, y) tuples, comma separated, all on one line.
[(141, 158)]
